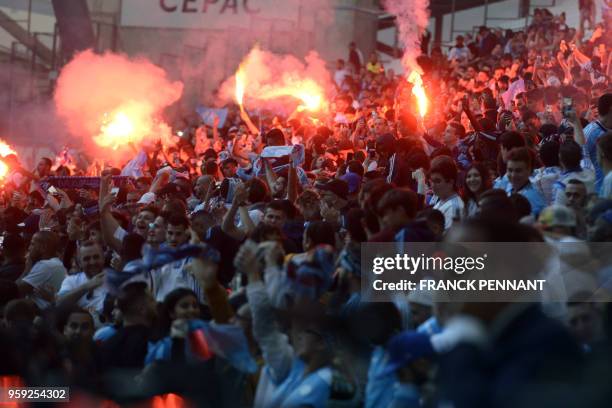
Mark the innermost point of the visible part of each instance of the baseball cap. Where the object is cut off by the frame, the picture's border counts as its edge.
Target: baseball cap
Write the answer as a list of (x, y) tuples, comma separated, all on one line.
[(336, 186), (405, 348), (557, 216)]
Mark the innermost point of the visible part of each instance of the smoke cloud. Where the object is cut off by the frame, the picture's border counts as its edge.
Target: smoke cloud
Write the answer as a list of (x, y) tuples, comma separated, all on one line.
[(412, 19), (271, 78), (93, 90)]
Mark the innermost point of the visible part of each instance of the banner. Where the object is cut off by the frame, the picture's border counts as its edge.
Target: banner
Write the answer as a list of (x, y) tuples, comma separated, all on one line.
[(207, 115), (204, 14)]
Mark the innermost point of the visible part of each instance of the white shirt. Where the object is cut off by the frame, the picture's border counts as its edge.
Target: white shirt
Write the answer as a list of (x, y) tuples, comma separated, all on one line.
[(452, 208), (255, 215), (471, 208), (47, 274), (459, 53), (339, 76), (95, 303), (606, 186), (172, 276)]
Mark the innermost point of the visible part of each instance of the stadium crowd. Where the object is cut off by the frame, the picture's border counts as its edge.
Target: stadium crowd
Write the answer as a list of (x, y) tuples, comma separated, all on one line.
[(225, 270)]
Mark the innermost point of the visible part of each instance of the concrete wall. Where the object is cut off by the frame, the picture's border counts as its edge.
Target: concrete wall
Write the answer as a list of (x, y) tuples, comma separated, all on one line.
[(328, 31)]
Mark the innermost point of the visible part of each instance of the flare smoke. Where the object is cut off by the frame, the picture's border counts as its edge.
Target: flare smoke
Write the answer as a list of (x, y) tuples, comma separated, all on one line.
[(412, 19)]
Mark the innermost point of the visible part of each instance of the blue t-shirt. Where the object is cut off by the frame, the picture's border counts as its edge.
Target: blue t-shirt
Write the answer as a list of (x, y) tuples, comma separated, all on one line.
[(532, 195), (385, 390), (592, 133), (295, 390)]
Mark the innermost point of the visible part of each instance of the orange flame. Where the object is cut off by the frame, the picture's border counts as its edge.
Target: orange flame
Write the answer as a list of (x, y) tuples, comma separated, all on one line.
[(5, 150), (419, 92), (240, 86), (3, 169), (307, 91), (130, 123)]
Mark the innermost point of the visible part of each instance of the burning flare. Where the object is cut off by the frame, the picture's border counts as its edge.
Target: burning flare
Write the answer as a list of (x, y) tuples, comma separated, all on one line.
[(275, 79), (114, 101), (3, 169), (130, 123), (5, 150), (240, 85), (115, 132), (307, 91), (419, 92)]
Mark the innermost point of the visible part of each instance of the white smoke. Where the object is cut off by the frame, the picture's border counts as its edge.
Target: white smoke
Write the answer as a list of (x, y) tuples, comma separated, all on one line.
[(412, 19)]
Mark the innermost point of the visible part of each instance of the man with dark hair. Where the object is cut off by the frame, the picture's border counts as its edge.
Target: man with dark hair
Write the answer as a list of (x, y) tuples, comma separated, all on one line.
[(576, 199), (177, 230), (594, 131), (507, 142), (459, 52), (453, 134), (43, 169), (128, 347), (86, 288), (570, 155), (519, 168), (275, 214), (79, 325), (545, 177), (45, 272), (443, 178), (13, 251), (175, 274), (229, 167), (396, 208), (334, 200)]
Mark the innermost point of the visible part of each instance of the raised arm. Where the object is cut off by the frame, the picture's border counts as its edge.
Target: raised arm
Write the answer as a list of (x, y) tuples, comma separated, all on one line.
[(68, 297), (228, 226), (292, 183), (247, 120), (270, 176), (276, 350), (578, 131), (108, 223), (466, 108), (205, 272)]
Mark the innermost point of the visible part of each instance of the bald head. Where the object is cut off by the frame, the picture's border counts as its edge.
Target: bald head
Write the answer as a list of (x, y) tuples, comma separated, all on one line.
[(202, 186)]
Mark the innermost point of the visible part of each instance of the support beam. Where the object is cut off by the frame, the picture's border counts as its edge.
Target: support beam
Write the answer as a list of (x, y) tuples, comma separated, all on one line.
[(21, 34)]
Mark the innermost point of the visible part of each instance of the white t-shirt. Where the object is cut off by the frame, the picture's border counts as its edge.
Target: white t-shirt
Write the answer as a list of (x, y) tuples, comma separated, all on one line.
[(47, 274), (93, 303), (459, 53), (452, 208), (339, 76), (172, 276)]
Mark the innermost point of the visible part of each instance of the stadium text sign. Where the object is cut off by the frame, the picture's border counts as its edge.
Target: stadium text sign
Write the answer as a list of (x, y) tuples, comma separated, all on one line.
[(204, 14)]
